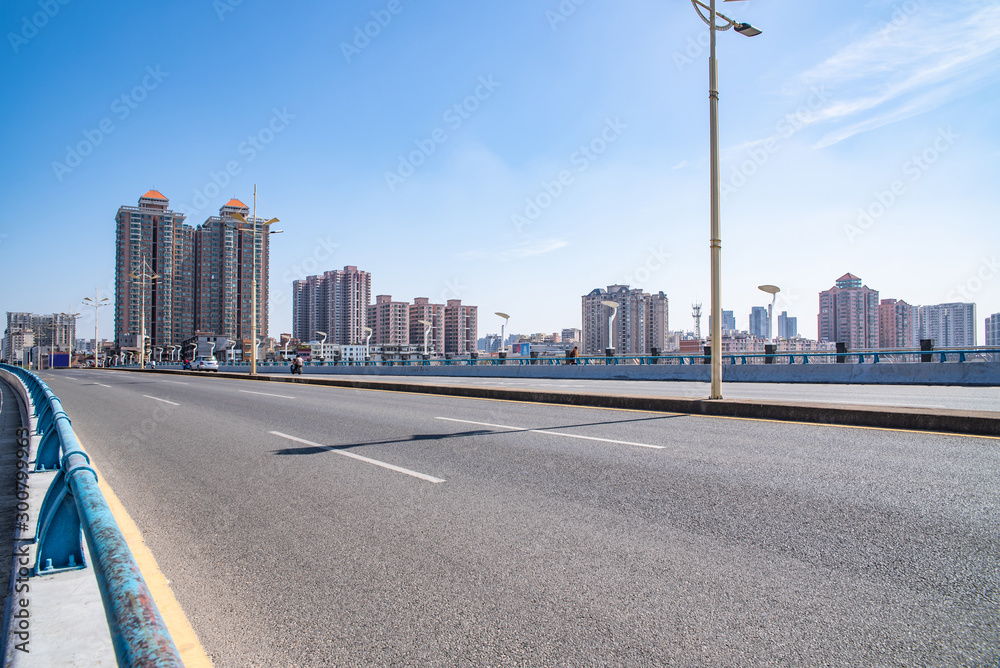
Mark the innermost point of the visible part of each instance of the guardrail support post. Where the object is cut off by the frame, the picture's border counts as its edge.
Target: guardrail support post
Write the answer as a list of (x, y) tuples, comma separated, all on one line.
[(926, 346), (59, 536), (841, 352)]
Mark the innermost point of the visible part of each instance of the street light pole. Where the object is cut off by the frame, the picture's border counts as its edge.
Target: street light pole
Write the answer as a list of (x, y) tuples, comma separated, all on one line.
[(96, 303), (427, 330), (143, 276), (253, 281), (772, 290), (503, 349), (715, 238), (614, 311)]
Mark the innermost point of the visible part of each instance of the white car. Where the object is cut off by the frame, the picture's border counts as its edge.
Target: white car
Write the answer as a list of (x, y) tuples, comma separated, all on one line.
[(204, 363)]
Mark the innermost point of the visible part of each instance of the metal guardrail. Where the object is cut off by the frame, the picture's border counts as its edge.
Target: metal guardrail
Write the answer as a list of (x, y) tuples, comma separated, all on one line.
[(983, 353), (75, 507)]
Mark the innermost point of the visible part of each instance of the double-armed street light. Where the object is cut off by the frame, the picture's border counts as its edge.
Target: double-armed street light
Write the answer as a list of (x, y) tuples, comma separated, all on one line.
[(254, 228), (715, 240), (96, 303), (144, 275)]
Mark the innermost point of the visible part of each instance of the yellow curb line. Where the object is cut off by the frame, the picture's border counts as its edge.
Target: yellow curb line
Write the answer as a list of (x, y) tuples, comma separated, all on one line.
[(192, 653)]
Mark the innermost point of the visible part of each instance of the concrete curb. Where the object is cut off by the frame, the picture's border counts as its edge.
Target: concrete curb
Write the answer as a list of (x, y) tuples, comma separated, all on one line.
[(974, 423)]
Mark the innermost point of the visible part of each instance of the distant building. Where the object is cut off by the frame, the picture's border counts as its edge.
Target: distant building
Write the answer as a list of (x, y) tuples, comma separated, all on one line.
[(52, 331), (389, 321), (849, 313), (788, 328), (461, 327), (760, 324), (335, 302), (152, 239), (641, 321), (948, 325), (422, 309), (993, 330), (572, 336), (225, 259), (728, 322), (897, 325)]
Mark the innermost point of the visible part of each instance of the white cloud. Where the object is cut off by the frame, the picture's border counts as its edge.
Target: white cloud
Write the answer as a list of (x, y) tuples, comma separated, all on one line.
[(531, 248), (930, 57)]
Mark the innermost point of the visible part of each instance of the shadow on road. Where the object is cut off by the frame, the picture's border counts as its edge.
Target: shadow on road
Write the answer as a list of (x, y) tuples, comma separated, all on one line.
[(314, 450)]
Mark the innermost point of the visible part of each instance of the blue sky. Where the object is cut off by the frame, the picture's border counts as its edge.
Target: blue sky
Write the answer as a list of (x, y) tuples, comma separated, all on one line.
[(515, 154)]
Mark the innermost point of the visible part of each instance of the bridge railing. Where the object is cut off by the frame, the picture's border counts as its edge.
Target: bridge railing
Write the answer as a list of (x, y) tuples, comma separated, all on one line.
[(878, 356), (74, 507)]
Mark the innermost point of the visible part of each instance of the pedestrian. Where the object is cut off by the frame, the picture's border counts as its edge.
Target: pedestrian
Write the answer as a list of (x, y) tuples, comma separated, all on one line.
[(297, 366), (573, 354)]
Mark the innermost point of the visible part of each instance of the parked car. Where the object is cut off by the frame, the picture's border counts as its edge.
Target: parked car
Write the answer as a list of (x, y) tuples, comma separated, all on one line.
[(206, 363)]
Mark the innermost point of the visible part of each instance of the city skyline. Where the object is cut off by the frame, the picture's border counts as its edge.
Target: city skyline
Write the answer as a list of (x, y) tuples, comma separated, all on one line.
[(461, 169)]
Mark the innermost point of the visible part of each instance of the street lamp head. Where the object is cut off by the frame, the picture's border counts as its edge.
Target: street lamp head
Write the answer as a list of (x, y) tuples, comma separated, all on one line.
[(366, 330), (769, 289), (503, 315), (425, 323), (747, 30), (610, 304)]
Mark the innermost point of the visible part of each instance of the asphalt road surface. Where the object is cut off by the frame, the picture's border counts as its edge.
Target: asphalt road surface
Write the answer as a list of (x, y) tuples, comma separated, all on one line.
[(313, 526)]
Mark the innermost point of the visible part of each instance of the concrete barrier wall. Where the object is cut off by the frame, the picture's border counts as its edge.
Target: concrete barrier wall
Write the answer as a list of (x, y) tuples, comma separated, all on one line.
[(928, 373)]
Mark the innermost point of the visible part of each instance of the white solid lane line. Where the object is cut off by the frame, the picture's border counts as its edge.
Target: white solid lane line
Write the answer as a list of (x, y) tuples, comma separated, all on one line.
[(555, 433), (163, 400), (391, 467), (267, 394), (102, 384), (175, 382)]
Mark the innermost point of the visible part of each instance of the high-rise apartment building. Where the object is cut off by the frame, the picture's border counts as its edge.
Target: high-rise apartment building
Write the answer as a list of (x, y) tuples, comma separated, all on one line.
[(389, 321), (993, 330), (224, 261), (849, 313), (948, 325), (461, 327), (760, 324), (173, 280), (897, 325), (788, 327), (150, 244), (422, 309), (335, 302), (640, 324)]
